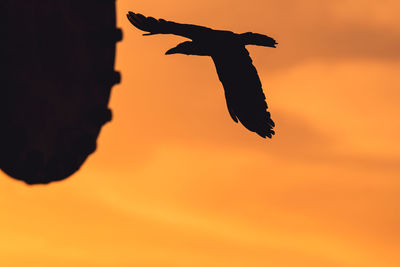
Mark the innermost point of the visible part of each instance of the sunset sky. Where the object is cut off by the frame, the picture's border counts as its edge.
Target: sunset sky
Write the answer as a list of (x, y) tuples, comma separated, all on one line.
[(175, 182)]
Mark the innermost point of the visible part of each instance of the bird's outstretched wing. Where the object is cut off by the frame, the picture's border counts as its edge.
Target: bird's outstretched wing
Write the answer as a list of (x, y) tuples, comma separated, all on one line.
[(161, 26), (243, 92)]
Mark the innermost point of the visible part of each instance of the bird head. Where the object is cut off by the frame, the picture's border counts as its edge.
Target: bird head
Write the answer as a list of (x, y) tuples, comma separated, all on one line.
[(187, 48)]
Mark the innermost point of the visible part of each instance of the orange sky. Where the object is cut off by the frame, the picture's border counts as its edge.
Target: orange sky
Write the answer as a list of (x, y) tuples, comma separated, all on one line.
[(175, 182)]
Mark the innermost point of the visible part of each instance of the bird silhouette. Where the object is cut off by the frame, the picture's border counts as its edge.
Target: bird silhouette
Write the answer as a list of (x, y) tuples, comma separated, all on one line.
[(243, 91)]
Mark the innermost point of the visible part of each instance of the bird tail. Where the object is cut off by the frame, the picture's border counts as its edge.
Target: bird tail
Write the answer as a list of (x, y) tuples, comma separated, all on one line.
[(250, 38)]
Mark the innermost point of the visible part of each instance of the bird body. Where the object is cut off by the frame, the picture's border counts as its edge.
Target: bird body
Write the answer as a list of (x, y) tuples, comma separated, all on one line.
[(243, 91)]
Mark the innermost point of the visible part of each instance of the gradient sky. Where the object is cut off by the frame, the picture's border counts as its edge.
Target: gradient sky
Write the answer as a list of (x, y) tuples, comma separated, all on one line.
[(175, 182)]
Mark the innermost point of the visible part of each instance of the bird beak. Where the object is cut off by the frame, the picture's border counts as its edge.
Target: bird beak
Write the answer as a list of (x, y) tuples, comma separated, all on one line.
[(172, 51)]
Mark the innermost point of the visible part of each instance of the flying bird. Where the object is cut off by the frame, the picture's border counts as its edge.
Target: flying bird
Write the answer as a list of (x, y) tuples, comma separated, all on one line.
[(243, 91)]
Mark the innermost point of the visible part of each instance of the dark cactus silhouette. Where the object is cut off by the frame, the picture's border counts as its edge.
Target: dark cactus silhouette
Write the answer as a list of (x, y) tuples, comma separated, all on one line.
[(59, 70)]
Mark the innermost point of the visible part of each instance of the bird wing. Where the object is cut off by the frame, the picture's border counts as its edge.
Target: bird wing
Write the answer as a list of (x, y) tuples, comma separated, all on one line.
[(161, 26), (243, 91)]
